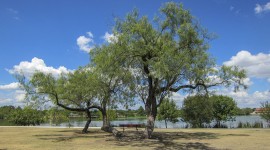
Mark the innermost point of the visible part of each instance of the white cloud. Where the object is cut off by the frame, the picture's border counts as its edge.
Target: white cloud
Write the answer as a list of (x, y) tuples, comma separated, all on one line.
[(11, 86), (262, 8), (243, 98), (29, 68), (12, 97), (19, 95), (255, 65), (178, 98), (85, 43), (110, 38)]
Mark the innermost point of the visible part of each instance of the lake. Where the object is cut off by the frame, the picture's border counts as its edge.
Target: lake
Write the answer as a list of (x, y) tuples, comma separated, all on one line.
[(76, 122)]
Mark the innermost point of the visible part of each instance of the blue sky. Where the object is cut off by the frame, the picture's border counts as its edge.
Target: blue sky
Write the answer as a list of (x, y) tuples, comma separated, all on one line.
[(53, 35)]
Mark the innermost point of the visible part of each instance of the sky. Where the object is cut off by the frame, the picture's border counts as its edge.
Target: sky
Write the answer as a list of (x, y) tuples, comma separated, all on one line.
[(55, 37)]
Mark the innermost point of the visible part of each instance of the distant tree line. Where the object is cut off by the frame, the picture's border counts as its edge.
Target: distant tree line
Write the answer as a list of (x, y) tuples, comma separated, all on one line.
[(197, 110)]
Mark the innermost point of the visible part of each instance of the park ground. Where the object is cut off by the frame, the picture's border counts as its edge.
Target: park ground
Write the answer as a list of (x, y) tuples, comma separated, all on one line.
[(34, 138)]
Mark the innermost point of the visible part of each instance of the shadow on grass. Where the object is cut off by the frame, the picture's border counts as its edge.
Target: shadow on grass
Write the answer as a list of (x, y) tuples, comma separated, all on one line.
[(165, 140), (159, 141)]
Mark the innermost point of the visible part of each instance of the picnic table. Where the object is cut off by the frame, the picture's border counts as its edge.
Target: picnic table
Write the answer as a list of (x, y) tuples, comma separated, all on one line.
[(128, 125)]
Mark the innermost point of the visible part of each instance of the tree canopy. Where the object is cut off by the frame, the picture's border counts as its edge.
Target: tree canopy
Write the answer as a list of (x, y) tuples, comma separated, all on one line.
[(164, 55)]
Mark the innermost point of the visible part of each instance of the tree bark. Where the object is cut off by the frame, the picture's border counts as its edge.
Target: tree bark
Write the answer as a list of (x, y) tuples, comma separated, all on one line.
[(151, 111), (85, 129), (106, 125)]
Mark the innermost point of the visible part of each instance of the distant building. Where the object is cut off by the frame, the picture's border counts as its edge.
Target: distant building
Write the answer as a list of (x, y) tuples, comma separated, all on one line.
[(259, 110)]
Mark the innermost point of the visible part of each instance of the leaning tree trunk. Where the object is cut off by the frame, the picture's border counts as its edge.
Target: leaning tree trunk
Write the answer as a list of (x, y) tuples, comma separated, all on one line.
[(87, 122)]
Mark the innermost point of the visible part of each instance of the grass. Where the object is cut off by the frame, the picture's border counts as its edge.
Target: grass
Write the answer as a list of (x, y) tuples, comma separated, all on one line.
[(33, 138)]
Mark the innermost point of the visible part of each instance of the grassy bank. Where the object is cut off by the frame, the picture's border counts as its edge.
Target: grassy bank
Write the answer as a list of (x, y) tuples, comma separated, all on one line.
[(71, 138)]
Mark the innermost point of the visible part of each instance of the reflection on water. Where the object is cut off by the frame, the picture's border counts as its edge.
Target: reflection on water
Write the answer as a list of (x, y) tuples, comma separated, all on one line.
[(79, 122)]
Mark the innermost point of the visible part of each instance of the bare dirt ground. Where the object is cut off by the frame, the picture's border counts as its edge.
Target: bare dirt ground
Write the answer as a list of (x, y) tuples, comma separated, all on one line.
[(32, 138)]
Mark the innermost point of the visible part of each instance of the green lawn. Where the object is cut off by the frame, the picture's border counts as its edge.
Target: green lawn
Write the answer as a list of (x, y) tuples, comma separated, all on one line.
[(32, 138)]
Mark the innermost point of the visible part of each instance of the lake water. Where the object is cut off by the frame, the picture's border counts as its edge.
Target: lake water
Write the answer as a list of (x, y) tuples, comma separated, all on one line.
[(159, 124)]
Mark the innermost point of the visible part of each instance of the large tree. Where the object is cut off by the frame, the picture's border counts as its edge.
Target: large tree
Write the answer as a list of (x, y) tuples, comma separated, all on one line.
[(164, 55)]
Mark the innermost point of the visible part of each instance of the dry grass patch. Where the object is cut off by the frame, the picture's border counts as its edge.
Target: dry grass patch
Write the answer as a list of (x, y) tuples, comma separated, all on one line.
[(70, 138)]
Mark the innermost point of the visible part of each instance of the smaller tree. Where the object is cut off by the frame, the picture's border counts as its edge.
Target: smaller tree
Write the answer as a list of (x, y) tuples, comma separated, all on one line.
[(168, 111), (197, 110), (265, 107), (141, 111), (224, 108)]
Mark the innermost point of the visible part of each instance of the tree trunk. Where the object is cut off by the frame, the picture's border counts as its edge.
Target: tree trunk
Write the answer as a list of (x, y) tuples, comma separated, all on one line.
[(218, 124), (166, 123), (149, 126), (106, 125), (87, 122), (151, 111)]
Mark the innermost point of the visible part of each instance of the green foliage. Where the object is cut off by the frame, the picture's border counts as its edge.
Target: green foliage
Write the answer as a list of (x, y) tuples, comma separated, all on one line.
[(224, 108), (5, 111), (111, 115), (244, 111), (26, 116), (163, 55), (168, 111), (56, 116), (265, 111), (140, 111), (197, 110)]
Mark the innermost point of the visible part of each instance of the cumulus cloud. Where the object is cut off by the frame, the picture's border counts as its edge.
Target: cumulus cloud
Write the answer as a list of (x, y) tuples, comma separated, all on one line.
[(110, 38), (12, 97), (178, 98), (29, 68), (19, 95), (255, 65), (85, 43), (11, 86), (245, 99), (262, 8)]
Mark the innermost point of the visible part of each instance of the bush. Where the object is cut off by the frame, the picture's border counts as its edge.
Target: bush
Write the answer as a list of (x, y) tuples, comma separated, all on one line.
[(26, 117)]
